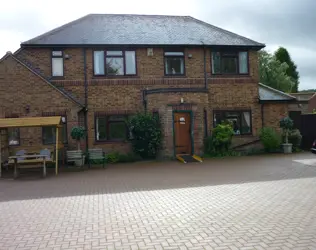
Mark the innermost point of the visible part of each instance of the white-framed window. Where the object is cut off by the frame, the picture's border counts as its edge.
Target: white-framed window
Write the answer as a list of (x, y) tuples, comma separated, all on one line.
[(14, 136), (111, 128), (239, 119), (174, 62), (230, 62), (114, 62), (57, 63)]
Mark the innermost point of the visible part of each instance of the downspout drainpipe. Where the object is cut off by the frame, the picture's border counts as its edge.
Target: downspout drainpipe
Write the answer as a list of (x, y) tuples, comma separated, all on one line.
[(262, 116), (145, 100), (85, 97), (205, 73)]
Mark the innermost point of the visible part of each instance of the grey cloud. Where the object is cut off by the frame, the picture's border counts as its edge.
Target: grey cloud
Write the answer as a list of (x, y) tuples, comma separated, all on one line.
[(22, 22), (288, 23)]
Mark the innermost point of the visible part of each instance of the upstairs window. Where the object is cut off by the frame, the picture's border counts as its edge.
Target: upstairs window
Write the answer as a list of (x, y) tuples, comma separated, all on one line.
[(57, 63), (114, 62), (230, 62), (174, 63)]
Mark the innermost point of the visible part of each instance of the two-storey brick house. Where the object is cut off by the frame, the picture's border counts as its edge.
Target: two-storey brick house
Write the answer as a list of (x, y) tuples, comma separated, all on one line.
[(100, 69)]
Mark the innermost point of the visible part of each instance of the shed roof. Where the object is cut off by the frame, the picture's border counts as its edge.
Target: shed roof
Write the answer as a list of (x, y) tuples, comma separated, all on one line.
[(267, 93), (30, 122)]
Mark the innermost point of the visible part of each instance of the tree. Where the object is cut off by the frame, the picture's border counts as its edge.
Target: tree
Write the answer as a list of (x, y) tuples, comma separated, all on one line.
[(273, 73), (283, 56)]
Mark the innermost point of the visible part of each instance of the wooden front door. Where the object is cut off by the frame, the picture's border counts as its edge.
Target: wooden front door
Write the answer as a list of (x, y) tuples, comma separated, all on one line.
[(182, 133)]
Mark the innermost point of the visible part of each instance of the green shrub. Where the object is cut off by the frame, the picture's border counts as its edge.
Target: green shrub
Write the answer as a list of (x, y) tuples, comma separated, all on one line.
[(219, 143), (78, 133), (222, 137), (146, 135), (208, 145), (270, 139), (113, 157), (295, 138)]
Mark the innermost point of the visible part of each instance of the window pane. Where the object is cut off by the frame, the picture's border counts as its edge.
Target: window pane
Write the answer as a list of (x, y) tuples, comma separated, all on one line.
[(174, 65), (14, 136), (229, 65), (217, 119), (101, 128), (114, 66), (57, 53), (245, 123), (174, 53), (116, 118), (117, 131), (98, 63), (243, 62), (234, 119), (130, 62), (216, 63), (57, 67), (49, 135), (114, 53)]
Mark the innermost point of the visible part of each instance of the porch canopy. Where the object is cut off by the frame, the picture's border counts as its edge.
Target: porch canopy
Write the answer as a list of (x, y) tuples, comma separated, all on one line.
[(50, 121)]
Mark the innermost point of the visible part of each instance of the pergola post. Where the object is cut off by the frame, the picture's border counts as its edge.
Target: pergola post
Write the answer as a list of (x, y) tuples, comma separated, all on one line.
[(56, 158)]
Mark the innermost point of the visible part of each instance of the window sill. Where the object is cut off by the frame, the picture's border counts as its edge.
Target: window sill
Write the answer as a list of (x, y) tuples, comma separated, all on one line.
[(229, 75), (57, 78), (115, 77), (175, 76), (243, 135), (49, 144), (109, 142)]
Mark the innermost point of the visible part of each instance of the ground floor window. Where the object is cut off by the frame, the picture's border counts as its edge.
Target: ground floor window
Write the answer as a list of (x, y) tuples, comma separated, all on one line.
[(14, 136), (240, 120), (49, 133), (111, 128)]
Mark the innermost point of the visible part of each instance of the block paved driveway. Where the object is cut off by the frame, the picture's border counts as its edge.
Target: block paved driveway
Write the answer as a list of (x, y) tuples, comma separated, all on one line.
[(266, 202)]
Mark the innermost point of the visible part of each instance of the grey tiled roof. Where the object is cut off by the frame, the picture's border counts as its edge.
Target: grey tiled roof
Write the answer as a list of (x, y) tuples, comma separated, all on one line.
[(267, 93), (107, 29)]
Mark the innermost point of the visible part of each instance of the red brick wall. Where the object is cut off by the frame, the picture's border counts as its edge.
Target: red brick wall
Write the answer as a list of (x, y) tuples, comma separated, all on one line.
[(125, 94), (19, 89), (273, 113)]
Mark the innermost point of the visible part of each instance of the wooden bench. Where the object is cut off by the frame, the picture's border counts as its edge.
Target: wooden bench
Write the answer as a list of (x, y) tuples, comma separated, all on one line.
[(75, 155), (29, 161), (96, 154)]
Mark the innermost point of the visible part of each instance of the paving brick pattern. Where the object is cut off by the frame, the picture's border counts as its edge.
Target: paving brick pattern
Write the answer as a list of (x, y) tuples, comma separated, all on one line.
[(243, 203)]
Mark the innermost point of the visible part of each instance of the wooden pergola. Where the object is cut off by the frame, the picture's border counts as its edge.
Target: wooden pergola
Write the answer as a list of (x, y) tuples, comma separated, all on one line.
[(52, 121)]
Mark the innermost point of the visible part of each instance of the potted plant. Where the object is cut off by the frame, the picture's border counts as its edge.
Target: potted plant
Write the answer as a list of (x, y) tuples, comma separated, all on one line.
[(286, 124), (78, 133)]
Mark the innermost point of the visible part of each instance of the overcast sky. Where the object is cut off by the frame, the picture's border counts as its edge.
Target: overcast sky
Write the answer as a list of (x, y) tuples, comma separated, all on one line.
[(288, 23)]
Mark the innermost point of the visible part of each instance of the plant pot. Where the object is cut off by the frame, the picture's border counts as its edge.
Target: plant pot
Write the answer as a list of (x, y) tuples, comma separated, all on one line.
[(287, 148), (79, 163)]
